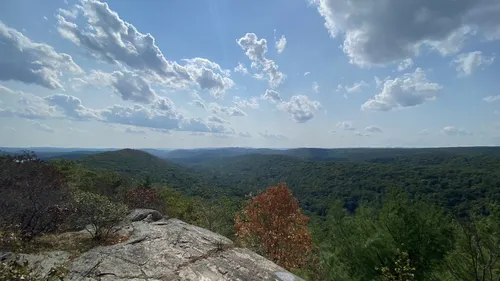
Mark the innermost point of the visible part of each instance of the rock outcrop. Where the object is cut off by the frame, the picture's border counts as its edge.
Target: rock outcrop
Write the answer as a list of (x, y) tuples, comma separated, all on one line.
[(169, 249)]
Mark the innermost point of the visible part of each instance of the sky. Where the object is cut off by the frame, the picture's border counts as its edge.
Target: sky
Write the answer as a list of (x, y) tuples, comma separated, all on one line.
[(220, 73)]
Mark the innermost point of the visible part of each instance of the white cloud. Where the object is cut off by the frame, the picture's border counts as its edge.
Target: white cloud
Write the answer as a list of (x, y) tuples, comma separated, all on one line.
[(315, 87), (228, 110), (272, 95), (300, 108), (256, 49), (241, 69), (378, 32), (244, 135), (31, 62), (272, 136), (43, 127), (206, 74), (409, 90), (25, 105), (307, 73), (356, 87), (373, 129), (72, 107), (217, 119), (161, 115), (423, 132), (127, 85), (346, 126), (492, 98), (339, 88), (454, 131), (252, 102), (108, 38), (280, 44), (467, 62), (405, 64), (361, 134), (135, 131), (200, 104)]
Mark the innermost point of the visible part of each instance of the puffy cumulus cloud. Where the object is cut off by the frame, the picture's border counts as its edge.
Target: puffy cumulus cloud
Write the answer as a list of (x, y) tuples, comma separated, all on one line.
[(241, 69), (492, 98), (300, 108), (256, 49), (378, 32), (454, 131), (409, 90), (107, 37), (127, 85), (272, 95), (355, 88), (405, 64), (31, 62), (272, 136), (206, 74), (141, 116), (252, 102), (279, 44), (373, 129), (217, 119), (244, 135), (346, 125), (135, 131), (24, 105), (315, 87), (466, 63), (228, 110), (160, 116), (72, 107)]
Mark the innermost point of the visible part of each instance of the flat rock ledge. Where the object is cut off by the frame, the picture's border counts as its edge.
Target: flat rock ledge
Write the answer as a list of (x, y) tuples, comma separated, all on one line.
[(166, 249)]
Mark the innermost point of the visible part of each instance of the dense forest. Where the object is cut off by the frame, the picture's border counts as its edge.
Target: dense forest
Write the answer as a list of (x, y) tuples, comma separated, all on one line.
[(371, 214)]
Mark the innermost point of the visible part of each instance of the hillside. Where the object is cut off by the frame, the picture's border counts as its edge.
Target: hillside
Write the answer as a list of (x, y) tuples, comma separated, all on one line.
[(454, 178), (139, 164)]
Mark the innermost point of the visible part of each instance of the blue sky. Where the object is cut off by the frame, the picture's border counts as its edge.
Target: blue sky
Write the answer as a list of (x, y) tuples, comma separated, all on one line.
[(179, 74)]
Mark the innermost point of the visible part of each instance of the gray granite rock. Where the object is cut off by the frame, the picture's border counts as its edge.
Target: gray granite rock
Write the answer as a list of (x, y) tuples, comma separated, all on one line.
[(169, 249)]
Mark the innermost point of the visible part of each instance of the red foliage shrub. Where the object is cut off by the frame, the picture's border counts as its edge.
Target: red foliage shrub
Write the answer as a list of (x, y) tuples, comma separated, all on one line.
[(274, 220), (141, 197)]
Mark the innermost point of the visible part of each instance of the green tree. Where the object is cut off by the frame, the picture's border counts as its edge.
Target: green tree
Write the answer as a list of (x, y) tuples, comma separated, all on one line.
[(477, 250), (97, 213)]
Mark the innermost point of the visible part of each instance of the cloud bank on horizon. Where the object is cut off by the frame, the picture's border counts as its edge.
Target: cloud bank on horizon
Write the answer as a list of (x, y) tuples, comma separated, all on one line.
[(91, 73)]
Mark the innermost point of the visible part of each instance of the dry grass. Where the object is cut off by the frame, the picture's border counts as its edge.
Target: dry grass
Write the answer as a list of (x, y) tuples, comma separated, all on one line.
[(75, 243)]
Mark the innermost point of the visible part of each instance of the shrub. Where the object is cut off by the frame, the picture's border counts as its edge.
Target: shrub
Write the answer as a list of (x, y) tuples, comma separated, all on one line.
[(273, 222), (33, 195), (144, 197), (98, 212)]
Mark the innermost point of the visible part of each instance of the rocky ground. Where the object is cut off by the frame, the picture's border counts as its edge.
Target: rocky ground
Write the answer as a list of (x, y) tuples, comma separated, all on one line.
[(164, 249)]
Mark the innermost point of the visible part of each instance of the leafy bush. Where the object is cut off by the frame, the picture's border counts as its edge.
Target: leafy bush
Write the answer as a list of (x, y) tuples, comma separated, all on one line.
[(356, 246), (273, 222), (33, 196), (98, 212)]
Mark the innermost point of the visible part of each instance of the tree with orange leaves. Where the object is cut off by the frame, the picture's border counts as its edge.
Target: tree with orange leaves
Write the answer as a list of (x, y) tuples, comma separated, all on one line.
[(274, 223)]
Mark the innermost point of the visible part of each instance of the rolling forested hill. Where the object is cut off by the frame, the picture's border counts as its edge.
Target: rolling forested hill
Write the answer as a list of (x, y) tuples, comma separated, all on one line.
[(451, 177)]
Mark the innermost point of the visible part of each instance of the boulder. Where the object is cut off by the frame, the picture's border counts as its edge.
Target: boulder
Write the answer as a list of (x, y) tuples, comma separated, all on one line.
[(142, 214), (165, 249), (174, 250)]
